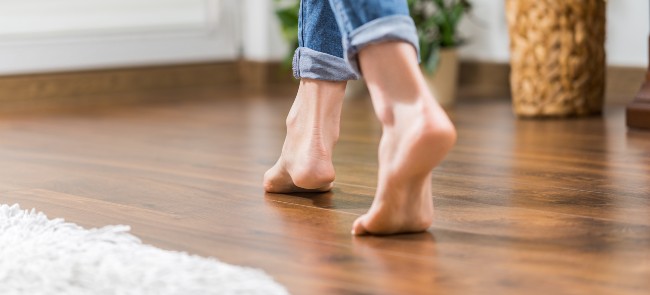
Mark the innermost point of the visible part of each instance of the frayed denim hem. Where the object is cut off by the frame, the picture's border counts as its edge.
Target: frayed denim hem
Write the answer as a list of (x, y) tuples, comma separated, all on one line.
[(311, 64), (388, 28)]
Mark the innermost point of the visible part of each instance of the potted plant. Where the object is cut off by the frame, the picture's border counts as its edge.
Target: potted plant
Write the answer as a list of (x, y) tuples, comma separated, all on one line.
[(437, 22), (287, 13)]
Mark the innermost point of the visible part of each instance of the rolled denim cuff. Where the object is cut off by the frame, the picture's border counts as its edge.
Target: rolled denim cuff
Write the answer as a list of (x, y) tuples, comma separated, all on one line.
[(388, 28), (312, 64)]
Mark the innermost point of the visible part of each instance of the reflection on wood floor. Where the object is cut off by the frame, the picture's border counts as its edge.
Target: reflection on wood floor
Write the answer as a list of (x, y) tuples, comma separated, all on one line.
[(522, 206)]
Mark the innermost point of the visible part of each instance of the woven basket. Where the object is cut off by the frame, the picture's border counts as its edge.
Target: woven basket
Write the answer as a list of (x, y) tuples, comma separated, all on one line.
[(558, 56)]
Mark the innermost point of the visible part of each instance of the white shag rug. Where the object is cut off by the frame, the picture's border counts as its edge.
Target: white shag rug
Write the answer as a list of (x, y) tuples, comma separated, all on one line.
[(50, 256)]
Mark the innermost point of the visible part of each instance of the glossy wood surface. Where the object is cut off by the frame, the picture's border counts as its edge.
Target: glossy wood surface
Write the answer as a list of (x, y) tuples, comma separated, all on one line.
[(522, 206), (638, 111)]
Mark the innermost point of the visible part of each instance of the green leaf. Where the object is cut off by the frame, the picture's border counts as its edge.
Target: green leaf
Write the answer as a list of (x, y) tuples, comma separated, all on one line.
[(456, 13), (288, 17), (440, 4), (425, 50), (439, 28), (433, 60)]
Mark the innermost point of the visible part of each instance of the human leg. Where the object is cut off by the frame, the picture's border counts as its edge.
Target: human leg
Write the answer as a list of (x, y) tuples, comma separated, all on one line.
[(305, 164), (380, 41), (417, 134), (313, 121)]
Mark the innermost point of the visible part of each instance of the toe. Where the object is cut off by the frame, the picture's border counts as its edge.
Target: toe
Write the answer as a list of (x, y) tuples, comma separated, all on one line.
[(269, 176), (358, 228), (269, 183), (268, 186), (276, 180)]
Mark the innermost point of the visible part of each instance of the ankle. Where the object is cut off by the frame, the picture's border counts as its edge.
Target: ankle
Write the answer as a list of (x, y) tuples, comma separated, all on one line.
[(322, 87), (318, 138), (317, 109), (439, 131), (391, 111), (436, 124), (424, 117)]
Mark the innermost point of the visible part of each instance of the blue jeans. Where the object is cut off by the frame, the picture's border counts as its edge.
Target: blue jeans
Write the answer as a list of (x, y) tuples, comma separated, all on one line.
[(331, 34)]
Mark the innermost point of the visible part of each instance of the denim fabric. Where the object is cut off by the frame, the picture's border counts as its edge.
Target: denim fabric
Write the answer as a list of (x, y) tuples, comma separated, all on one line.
[(320, 52), (332, 34)]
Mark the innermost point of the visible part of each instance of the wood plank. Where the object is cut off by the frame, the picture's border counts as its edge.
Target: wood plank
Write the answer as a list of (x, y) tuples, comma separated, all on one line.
[(521, 206), (328, 250)]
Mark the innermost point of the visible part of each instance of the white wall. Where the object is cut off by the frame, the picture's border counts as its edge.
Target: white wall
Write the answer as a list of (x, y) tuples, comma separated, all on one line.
[(627, 32), (485, 32), (45, 35), (261, 34)]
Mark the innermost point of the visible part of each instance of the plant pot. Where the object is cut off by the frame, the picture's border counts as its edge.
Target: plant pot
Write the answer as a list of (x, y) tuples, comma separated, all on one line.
[(444, 82), (356, 89)]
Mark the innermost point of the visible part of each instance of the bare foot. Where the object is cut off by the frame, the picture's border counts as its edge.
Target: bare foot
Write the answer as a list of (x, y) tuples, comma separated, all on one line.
[(305, 164), (417, 134), (407, 153)]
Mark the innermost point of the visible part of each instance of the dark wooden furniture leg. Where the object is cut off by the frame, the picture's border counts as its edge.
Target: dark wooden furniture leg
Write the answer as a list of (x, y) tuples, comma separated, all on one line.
[(638, 112)]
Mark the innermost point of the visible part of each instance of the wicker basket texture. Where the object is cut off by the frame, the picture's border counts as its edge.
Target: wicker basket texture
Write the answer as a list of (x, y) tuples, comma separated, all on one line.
[(557, 56)]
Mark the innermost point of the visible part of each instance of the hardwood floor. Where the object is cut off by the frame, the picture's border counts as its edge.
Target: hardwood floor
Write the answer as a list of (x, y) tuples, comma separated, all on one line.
[(522, 206)]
